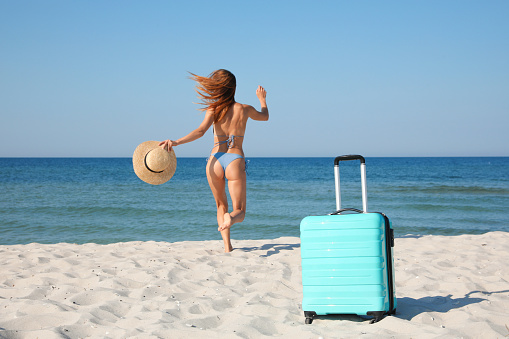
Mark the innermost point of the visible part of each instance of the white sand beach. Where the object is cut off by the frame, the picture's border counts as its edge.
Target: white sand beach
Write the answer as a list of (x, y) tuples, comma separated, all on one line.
[(447, 286)]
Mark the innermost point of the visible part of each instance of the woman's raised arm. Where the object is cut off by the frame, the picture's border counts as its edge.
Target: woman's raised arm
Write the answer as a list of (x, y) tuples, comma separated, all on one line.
[(263, 115)]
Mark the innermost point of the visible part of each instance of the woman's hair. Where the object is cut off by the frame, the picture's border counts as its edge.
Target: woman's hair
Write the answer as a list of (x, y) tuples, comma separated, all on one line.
[(217, 91)]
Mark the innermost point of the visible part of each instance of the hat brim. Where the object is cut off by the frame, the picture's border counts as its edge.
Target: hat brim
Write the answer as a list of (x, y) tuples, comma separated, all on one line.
[(144, 173)]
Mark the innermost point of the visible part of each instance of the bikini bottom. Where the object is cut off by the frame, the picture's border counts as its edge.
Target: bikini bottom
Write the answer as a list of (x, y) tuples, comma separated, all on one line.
[(226, 158)]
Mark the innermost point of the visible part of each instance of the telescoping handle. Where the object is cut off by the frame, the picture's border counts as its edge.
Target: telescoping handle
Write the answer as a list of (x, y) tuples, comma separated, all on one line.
[(363, 180)]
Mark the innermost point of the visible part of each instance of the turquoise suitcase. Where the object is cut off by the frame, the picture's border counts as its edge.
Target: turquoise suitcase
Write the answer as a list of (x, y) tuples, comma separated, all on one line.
[(347, 259)]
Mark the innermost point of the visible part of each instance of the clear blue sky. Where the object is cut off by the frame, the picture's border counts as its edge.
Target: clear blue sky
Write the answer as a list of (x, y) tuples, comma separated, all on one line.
[(378, 78)]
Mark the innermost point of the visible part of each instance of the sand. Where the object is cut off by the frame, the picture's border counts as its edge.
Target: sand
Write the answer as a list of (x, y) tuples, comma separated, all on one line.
[(447, 286)]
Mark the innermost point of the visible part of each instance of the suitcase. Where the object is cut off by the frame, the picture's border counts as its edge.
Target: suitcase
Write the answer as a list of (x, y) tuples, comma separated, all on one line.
[(347, 259)]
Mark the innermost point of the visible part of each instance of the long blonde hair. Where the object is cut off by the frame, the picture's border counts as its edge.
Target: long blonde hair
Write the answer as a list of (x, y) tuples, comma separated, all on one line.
[(217, 91)]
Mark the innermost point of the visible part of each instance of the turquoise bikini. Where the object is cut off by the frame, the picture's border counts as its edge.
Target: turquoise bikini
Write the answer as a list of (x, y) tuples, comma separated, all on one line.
[(226, 158)]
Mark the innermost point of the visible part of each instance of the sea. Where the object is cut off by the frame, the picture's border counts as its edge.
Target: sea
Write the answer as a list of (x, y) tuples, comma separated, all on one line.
[(101, 200)]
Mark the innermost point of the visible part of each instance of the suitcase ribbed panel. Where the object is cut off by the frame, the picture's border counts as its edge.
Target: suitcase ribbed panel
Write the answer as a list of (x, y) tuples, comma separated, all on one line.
[(344, 264)]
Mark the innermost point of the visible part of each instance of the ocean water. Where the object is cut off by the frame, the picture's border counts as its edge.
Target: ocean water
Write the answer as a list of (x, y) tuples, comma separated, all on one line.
[(100, 200)]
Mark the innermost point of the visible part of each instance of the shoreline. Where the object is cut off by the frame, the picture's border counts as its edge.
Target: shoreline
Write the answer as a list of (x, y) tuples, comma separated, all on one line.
[(453, 286)]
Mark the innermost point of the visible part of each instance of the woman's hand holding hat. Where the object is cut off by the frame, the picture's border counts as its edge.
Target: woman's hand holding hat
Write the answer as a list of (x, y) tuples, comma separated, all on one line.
[(168, 144)]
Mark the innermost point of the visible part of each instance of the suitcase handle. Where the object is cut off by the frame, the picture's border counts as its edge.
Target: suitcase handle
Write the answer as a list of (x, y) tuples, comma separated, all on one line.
[(349, 157), (363, 180), (345, 210)]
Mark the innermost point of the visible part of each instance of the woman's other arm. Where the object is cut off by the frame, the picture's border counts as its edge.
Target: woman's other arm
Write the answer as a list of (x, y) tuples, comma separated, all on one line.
[(196, 134), (263, 115)]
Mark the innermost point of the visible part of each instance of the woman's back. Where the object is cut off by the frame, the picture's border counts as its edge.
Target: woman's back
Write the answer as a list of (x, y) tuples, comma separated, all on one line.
[(231, 129), (233, 122)]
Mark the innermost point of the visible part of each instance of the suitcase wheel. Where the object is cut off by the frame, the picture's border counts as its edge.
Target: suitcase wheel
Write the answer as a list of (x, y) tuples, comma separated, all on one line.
[(377, 316), (309, 316)]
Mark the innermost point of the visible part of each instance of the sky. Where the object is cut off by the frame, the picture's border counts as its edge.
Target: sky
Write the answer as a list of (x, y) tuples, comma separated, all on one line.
[(377, 78)]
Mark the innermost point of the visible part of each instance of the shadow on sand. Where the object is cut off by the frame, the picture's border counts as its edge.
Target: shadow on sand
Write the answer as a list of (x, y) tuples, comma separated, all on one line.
[(409, 307), (271, 248)]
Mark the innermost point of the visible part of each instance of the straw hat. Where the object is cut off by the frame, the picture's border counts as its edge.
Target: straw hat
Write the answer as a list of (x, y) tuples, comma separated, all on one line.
[(153, 164)]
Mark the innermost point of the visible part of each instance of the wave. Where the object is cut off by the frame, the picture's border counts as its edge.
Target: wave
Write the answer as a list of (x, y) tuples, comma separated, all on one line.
[(440, 189)]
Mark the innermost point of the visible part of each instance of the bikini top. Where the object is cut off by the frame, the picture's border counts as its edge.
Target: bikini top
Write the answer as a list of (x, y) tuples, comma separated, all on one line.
[(230, 142)]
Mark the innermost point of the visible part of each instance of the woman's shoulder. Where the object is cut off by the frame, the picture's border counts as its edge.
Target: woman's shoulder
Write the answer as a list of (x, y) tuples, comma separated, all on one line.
[(239, 105), (242, 107)]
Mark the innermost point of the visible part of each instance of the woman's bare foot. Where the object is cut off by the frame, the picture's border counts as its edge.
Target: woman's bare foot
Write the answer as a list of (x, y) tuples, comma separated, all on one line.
[(227, 223)]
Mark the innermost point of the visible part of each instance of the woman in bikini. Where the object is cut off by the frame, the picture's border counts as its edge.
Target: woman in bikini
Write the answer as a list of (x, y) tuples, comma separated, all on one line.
[(226, 162)]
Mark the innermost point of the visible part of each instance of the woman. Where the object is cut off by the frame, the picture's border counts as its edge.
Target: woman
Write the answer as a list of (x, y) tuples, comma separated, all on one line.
[(226, 162)]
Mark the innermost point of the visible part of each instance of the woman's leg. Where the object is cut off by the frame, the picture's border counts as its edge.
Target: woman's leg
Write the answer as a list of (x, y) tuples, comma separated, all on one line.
[(215, 176), (236, 175)]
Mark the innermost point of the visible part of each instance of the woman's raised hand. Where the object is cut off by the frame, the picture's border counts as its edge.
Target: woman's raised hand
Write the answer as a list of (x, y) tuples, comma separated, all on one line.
[(261, 93)]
